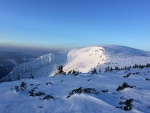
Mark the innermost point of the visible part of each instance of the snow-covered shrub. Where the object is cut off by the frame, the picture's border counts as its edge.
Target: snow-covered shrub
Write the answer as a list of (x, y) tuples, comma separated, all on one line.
[(48, 83), (75, 73), (39, 93), (127, 75), (17, 88), (126, 105), (147, 79), (105, 90), (89, 79), (94, 71), (23, 86), (124, 85), (60, 70), (81, 90), (48, 97)]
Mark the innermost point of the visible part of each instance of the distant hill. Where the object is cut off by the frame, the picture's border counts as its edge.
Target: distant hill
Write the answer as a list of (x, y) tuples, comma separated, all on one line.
[(10, 60)]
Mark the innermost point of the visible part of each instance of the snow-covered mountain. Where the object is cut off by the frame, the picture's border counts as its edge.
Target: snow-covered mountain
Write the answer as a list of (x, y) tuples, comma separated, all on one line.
[(115, 91), (9, 60), (81, 59)]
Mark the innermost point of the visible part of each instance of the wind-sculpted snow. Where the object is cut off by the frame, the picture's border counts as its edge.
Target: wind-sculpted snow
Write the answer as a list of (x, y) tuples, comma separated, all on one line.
[(82, 60)]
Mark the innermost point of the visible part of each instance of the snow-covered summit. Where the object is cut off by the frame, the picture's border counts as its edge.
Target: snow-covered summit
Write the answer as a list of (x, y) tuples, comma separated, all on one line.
[(81, 59), (116, 49)]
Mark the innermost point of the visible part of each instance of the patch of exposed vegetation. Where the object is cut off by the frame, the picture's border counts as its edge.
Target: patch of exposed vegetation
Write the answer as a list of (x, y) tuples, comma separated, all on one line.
[(124, 85), (126, 105), (82, 90)]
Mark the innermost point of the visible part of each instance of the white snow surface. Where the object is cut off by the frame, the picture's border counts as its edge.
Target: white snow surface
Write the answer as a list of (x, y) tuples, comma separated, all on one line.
[(82, 60), (13, 101)]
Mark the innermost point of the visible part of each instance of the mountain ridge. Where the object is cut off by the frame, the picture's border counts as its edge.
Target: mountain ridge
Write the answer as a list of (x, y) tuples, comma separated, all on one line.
[(81, 59), (9, 60)]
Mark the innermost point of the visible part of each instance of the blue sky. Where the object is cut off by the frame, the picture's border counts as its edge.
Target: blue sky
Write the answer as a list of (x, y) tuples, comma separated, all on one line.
[(75, 23)]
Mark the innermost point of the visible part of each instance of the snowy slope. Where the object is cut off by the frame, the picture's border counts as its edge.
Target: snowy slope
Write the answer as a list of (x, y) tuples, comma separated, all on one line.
[(84, 59), (9, 60), (13, 101), (81, 59), (122, 56)]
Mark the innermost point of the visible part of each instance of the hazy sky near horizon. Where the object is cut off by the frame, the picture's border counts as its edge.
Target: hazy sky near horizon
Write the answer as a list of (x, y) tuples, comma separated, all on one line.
[(75, 23)]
